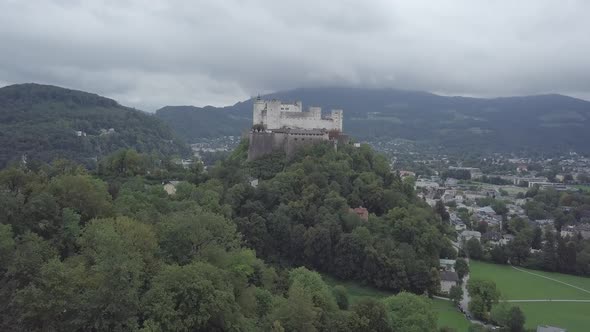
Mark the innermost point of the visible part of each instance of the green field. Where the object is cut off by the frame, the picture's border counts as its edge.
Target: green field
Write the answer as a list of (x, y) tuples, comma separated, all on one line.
[(514, 284), (517, 285), (584, 188), (448, 315)]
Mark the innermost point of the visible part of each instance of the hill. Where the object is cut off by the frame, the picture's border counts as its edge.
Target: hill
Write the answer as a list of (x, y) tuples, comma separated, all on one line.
[(44, 122), (541, 123)]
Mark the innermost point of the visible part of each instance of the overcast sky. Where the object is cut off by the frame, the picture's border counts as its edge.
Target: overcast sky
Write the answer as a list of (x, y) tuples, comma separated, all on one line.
[(151, 53)]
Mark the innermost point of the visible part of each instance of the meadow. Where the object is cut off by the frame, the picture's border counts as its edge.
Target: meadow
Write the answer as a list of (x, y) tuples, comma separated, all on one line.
[(519, 285), (448, 315)]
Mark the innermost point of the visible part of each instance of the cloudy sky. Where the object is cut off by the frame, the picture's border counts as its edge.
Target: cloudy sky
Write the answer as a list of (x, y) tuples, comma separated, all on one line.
[(151, 53)]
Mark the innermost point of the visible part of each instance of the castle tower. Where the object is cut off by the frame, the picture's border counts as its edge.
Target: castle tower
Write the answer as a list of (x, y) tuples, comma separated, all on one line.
[(258, 109), (337, 117)]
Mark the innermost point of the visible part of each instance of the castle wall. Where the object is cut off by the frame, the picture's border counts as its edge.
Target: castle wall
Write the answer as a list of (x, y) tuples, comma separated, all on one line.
[(306, 121), (297, 141), (265, 143), (273, 114)]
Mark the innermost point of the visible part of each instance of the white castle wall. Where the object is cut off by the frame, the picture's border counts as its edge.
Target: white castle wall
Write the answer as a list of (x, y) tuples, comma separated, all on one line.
[(273, 114)]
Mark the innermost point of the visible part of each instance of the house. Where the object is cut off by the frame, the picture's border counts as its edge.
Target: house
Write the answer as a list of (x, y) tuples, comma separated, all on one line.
[(547, 328), (170, 187), (486, 210), (506, 238), (254, 183), (491, 236), (468, 235), (362, 212), (544, 222), (403, 174), (447, 264), (448, 279), (568, 231)]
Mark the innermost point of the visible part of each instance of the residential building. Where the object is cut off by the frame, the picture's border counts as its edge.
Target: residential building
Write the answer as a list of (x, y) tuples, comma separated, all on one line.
[(362, 212), (448, 279), (447, 264), (468, 235), (170, 187)]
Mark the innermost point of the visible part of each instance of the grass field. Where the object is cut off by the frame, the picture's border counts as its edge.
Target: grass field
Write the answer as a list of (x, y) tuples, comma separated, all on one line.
[(584, 188), (517, 285), (448, 315)]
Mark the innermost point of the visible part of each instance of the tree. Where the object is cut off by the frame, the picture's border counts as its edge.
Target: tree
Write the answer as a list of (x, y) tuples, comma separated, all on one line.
[(456, 294), (537, 241), (186, 235), (477, 307), (461, 267), (6, 246), (197, 296), (371, 316), (410, 312), (499, 207), (85, 195), (549, 252), (341, 296), (519, 248), (516, 319), (500, 314), (441, 210), (473, 248), (483, 295)]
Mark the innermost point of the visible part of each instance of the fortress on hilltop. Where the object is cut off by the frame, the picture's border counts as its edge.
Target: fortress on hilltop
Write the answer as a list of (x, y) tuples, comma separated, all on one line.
[(282, 126), (274, 114)]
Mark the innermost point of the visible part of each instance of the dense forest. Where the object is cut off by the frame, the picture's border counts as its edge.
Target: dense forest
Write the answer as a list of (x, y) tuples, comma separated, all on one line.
[(45, 122), (111, 250), (538, 124)]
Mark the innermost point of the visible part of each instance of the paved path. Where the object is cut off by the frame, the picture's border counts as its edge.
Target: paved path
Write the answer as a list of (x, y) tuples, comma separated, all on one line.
[(552, 279), (546, 300), (466, 298)]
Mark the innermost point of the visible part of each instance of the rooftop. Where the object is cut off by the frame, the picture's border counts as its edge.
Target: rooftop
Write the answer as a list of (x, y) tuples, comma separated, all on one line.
[(449, 276)]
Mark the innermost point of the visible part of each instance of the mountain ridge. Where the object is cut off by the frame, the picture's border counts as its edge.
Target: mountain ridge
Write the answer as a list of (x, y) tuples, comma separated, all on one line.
[(545, 122), (45, 122)]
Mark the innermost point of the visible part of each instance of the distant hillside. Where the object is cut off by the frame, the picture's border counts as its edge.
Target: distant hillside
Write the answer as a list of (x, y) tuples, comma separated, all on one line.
[(191, 122), (41, 121), (542, 123)]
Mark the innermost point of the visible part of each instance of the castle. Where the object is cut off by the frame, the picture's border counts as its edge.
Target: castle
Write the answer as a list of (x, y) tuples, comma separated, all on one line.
[(278, 126), (274, 114)]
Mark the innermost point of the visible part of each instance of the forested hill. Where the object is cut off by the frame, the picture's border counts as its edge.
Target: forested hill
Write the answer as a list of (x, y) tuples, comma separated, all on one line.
[(542, 122), (112, 251), (42, 122)]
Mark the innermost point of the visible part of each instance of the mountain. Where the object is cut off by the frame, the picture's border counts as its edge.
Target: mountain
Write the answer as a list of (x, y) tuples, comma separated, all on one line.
[(43, 122), (542, 122)]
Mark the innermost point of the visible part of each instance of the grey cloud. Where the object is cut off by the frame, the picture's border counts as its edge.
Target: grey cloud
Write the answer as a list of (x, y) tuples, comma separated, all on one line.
[(148, 54)]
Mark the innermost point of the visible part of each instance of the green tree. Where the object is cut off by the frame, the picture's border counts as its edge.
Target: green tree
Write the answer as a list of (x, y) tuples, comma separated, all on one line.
[(473, 248), (483, 294), (187, 235), (341, 296), (516, 319), (87, 196), (461, 267), (456, 294), (411, 312), (197, 296), (371, 315)]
